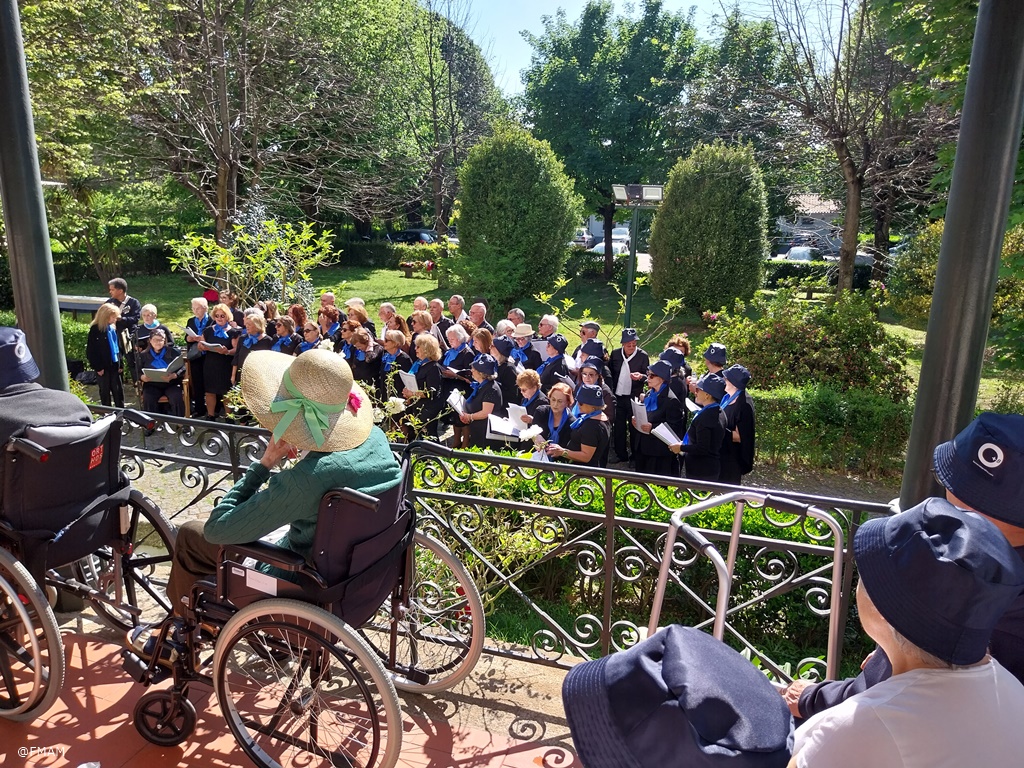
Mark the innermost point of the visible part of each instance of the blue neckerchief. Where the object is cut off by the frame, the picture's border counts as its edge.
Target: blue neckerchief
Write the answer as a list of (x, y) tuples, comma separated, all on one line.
[(726, 399), (519, 355), (359, 355), (250, 340), (387, 360), (333, 329), (346, 351), (580, 419), (544, 365), (552, 430), (528, 400), (115, 353), (220, 331), (575, 410), (151, 327), (451, 354), (307, 345), (415, 367), (158, 359), (279, 343), (201, 324), (475, 386), (651, 400), (686, 437)]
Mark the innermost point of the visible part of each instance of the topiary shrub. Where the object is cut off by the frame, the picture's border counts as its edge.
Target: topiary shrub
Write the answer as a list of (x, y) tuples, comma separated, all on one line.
[(839, 343), (518, 212), (709, 238)]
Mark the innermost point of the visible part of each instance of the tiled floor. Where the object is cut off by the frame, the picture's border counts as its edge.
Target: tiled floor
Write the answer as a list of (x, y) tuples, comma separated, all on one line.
[(92, 723)]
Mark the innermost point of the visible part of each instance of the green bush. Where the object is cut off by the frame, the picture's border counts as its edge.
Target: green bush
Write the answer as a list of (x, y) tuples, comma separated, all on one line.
[(518, 211), (369, 253), (839, 343), (709, 237), (779, 271), (911, 279), (6, 285), (75, 333), (583, 263), (1007, 331)]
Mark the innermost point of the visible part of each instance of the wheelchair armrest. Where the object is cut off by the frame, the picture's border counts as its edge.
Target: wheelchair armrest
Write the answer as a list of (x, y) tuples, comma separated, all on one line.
[(357, 497), (268, 553), (29, 448), (138, 418)]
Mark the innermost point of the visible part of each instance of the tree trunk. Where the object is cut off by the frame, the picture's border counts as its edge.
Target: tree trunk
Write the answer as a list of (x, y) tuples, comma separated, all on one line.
[(608, 214), (851, 217), (883, 222)]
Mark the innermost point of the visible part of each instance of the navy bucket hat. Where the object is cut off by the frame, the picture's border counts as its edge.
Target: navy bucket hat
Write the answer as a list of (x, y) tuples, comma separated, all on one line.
[(679, 698), (983, 466), (628, 335), (593, 347), (942, 577), (486, 365), (661, 369), (17, 366), (590, 394), (504, 345), (713, 384), (737, 375), (715, 353), (673, 357), (559, 342)]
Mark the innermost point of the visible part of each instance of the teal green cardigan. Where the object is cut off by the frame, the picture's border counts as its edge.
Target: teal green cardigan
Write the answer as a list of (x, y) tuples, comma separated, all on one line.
[(293, 495)]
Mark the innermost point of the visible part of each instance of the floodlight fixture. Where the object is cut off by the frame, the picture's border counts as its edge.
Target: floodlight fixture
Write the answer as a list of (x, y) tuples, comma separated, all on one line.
[(652, 193), (619, 190)]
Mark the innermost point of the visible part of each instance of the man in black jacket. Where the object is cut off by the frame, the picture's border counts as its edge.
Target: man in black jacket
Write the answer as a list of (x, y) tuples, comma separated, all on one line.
[(131, 308), (629, 366)]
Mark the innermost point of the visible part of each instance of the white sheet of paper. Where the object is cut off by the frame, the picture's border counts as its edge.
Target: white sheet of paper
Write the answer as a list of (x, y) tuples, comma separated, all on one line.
[(639, 413), (516, 413), (457, 401), (519, 368), (541, 345), (499, 428), (691, 406), (409, 380), (214, 346), (666, 434), (158, 375), (539, 455)]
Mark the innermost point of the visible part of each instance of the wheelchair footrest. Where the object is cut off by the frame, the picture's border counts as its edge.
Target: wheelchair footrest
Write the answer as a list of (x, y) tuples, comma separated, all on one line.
[(411, 674), (138, 669)]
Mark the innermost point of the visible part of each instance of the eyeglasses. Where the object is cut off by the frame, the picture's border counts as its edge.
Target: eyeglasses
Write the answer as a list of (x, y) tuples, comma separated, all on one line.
[(308, 330)]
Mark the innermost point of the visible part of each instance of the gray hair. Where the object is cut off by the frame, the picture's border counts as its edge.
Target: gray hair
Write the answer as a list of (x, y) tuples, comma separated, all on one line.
[(387, 306), (148, 308), (458, 299), (519, 314), (504, 328), (552, 320), (459, 333)]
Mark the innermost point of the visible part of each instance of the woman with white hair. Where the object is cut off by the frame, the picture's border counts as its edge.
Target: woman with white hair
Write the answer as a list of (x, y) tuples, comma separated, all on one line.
[(455, 367), (194, 328)]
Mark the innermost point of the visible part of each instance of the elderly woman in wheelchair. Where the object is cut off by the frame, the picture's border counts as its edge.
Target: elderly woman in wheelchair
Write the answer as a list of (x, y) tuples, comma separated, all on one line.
[(296, 647)]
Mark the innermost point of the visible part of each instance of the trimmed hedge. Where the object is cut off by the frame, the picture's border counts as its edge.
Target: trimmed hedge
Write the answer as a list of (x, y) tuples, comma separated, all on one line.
[(368, 253), (820, 428), (75, 266), (75, 333), (777, 270)]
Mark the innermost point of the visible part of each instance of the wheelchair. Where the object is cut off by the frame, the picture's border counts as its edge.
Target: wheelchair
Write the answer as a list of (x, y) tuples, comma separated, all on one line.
[(71, 522), (305, 668)]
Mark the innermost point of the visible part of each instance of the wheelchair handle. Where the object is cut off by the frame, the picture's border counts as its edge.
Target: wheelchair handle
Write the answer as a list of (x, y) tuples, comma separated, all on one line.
[(783, 504), (357, 497), (34, 451), (139, 418)]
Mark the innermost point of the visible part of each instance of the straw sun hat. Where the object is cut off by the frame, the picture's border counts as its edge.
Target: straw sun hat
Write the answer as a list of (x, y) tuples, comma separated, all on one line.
[(310, 401)]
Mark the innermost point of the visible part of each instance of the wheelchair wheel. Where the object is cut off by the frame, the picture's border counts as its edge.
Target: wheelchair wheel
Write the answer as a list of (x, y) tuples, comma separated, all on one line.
[(164, 719), (299, 688), (31, 650), (141, 567), (440, 634)]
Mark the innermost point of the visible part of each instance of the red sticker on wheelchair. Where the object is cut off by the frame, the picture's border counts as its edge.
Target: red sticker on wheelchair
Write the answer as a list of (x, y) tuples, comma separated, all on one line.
[(96, 457)]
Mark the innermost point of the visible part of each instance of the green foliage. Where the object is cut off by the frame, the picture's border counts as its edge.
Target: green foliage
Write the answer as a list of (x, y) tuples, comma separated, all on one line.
[(6, 286), (368, 254), (780, 273), (838, 343), (75, 333), (271, 262), (911, 278), (710, 236), (518, 212)]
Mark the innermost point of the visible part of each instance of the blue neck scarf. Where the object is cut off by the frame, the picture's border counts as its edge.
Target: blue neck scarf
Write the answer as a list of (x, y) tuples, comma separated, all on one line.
[(281, 341), (727, 399), (251, 339), (307, 345), (388, 360), (528, 400), (451, 354), (544, 365), (580, 419), (220, 331), (415, 367), (651, 400), (686, 437), (201, 324), (519, 355), (158, 359), (115, 353), (333, 329), (552, 429), (151, 326), (346, 351), (359, 354), (475, 386)]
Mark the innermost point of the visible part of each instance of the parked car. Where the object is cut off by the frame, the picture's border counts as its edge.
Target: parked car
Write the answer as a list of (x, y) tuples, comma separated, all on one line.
[(621, 235), (804, 253), (584, 238), (618, 247), (414, 237)]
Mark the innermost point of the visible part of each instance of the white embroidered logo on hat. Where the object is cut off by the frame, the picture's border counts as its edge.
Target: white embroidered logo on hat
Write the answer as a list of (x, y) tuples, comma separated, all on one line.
[(990, 455), (20, 350)]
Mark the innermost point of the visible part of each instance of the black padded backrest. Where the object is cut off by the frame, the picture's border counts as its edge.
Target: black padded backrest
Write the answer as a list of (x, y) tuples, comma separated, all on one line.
[(83, 465)]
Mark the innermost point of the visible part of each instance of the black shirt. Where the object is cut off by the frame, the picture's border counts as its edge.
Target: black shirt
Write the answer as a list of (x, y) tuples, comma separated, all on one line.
[(593, 432), (489, 392)]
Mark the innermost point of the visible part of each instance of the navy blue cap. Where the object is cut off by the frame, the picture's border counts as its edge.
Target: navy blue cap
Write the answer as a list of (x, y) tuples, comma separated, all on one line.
[(17, 365), (673, 357), (661, 369), (679, 698), (593, 362), (486, 364), (713, 384), (589, 394), (942, 577), (737, 375), (558, 341), (628, 335), (715, 353), (504, 345), (593, 347), (983, 466)]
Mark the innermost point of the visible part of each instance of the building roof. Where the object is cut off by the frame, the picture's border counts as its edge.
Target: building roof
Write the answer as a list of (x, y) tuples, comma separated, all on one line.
[(816, 205)]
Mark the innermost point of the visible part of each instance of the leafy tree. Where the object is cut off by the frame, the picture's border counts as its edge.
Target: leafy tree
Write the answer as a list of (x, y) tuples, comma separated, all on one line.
[(600, 90), (710, 235), (518, 212)]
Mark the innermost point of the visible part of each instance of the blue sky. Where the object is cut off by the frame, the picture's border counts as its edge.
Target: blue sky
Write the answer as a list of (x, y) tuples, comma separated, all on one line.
[(496, 26)]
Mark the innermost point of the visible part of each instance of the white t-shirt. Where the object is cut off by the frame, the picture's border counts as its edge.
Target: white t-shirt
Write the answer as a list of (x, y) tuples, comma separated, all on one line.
[(925, 718)]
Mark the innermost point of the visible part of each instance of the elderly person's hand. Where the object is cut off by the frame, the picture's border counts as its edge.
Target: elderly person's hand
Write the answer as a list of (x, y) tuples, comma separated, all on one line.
[(277, 451), (791, 695)]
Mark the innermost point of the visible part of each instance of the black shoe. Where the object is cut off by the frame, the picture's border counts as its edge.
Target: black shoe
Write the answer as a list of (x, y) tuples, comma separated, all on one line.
[(143, 639)]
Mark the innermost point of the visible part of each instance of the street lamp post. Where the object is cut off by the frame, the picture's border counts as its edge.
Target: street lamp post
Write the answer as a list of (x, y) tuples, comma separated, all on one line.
[(635, 196)]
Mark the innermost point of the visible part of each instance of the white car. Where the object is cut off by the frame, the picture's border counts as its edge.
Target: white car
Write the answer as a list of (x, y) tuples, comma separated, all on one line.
[(618, 247), (621, 235)]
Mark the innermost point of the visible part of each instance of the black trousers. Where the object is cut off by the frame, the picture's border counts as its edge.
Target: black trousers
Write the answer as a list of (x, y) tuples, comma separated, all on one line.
[(623, 437), (111, 388)]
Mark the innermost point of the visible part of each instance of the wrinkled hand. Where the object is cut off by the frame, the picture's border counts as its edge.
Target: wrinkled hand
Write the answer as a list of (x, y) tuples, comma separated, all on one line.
[(527, 419), (676, 447), (464, 418), (277, 451), (636, 376), (554, 450), (646, 429), (791, 695)]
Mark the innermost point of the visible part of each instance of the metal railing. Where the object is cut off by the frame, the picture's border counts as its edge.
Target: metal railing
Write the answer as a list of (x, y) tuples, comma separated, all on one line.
[(572, 553)]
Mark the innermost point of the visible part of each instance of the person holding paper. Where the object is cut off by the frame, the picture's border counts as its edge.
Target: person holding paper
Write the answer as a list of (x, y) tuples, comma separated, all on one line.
[(628, 368), (528, 383), (662, 407), (593, 350), (591, 373), (219, 344), (702, 445), (483, 400), (428, 400), (554, 368), (194, 328), (501, 350), (589, 433), (554, 418), (524, 353), (393, 360), (254, 339), (158, 355), (104, 349), (738, 444), (459, 357)]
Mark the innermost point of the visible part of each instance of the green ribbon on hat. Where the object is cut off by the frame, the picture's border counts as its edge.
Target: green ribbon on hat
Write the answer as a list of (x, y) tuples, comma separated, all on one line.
[(317, 415)]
